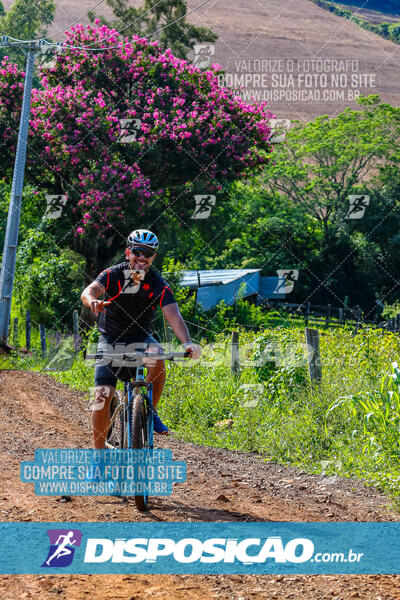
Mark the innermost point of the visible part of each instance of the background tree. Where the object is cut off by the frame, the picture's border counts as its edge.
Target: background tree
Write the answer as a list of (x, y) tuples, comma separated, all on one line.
[(327, 160), (49, 279), (295, 215), (11, 90), (25, 20), (180, 37), (193, 137)]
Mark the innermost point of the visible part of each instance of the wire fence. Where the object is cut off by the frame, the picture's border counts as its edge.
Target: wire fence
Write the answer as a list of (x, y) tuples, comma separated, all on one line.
[(331, 316)]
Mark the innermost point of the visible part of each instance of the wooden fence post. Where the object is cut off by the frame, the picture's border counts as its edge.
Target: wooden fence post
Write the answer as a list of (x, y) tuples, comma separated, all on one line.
[(313, 355), (15, 333), (398, 323), (43, 340), (28, 330), (391, 324), (345, 307), (328, 315), (75, 320), (307, 313), (58, 339), (358, 320), (340, 316), (235, 360)]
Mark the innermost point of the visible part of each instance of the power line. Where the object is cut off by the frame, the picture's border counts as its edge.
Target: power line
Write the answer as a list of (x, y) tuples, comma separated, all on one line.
[(147, 36), (9, 37), (82, 17), (76, 21), (131, 23), (180, 18), (60, 30), (72, 47)]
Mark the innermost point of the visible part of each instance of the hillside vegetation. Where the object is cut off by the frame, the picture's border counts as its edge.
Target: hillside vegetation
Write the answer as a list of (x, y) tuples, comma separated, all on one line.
[(389, 31)]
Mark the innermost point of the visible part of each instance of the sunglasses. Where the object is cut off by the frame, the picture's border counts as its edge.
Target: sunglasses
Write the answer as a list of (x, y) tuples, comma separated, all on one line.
[(146, 252)]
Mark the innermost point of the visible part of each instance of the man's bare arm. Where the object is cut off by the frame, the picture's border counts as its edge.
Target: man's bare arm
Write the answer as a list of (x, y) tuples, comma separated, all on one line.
[(90, 297), (174, 318)]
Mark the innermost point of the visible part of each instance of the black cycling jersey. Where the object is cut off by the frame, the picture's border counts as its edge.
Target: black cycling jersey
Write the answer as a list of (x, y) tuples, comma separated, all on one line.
[(130, 314)]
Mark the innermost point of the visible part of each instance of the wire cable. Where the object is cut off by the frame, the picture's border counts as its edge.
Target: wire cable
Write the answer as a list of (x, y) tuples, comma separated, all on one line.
[(179, 19), (130, 42), (131, 23), (82, 17), (74, 22), (17, 40), (72, 47), (60, 30)]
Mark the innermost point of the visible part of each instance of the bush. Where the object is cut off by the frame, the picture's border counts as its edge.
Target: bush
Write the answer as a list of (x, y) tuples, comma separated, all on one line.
[(378, 414), (48, 280)]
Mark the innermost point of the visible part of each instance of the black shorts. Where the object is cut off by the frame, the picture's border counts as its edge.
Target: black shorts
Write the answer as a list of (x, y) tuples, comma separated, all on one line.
[(105, 374)]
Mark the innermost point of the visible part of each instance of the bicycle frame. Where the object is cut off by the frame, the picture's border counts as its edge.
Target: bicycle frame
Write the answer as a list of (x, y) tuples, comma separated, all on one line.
[(125, 405), (133, 388)]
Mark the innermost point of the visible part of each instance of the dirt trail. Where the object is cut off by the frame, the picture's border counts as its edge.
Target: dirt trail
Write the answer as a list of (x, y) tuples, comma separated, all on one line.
[(37, 412)]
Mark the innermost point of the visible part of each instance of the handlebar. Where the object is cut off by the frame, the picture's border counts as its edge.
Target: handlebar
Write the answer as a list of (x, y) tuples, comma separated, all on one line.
[(137, 356)]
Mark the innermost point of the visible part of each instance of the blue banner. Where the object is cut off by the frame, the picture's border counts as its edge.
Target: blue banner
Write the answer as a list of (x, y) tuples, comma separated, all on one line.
[(200, 548)]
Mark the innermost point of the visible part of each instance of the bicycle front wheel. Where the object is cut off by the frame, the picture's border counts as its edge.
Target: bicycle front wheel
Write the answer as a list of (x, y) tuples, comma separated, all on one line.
[(139, 439)]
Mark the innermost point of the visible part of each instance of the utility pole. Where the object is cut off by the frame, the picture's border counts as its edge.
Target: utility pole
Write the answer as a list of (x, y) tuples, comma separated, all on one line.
[(31, 49)]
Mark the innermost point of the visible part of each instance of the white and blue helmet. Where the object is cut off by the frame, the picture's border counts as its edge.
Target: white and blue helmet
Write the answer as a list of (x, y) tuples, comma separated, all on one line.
[(143, 237)]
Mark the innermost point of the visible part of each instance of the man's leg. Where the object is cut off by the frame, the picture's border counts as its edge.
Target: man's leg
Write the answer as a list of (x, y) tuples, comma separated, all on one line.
[(101, 414)]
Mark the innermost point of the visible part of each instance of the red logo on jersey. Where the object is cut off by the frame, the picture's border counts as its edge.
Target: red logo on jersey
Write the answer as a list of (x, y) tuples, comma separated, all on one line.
[(146, 286)]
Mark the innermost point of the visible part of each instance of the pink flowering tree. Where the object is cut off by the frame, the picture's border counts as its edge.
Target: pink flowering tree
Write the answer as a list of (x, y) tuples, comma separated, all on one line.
[(191, 136), (11, 90)]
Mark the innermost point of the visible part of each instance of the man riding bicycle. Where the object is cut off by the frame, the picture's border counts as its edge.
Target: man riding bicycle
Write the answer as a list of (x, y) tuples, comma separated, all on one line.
[(131, 290)]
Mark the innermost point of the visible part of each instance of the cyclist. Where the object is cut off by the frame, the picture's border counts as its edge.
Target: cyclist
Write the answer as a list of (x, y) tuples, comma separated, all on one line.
[(131, 290)]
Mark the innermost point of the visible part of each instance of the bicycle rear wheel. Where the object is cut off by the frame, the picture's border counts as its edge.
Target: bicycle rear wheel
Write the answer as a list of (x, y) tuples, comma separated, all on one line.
[(138, 424)]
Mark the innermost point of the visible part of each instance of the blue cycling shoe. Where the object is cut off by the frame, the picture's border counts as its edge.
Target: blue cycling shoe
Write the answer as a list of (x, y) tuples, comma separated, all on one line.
[(159, 426)]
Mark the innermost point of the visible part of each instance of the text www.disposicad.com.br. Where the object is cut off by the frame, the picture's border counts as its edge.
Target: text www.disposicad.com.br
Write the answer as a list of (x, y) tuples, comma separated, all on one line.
[(102, 487)]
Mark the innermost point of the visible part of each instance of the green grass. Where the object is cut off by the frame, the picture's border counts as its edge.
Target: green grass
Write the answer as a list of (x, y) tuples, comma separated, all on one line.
[(284, 418)]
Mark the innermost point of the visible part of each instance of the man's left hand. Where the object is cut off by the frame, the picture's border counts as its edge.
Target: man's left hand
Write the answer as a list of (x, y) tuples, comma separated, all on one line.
[(194, 350)]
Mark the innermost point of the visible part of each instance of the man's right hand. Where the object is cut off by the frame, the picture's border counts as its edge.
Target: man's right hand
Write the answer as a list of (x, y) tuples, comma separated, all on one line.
[(98, 306)]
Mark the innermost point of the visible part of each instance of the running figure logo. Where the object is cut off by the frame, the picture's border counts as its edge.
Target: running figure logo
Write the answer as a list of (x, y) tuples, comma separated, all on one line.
[(357, 207), (279, 129), (287, 279), (130, 287), (62, 550), (204, 204), (203, 54)]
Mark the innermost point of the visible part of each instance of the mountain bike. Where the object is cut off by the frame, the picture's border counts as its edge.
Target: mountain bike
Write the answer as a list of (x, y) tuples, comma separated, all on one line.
[(131, 413)]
